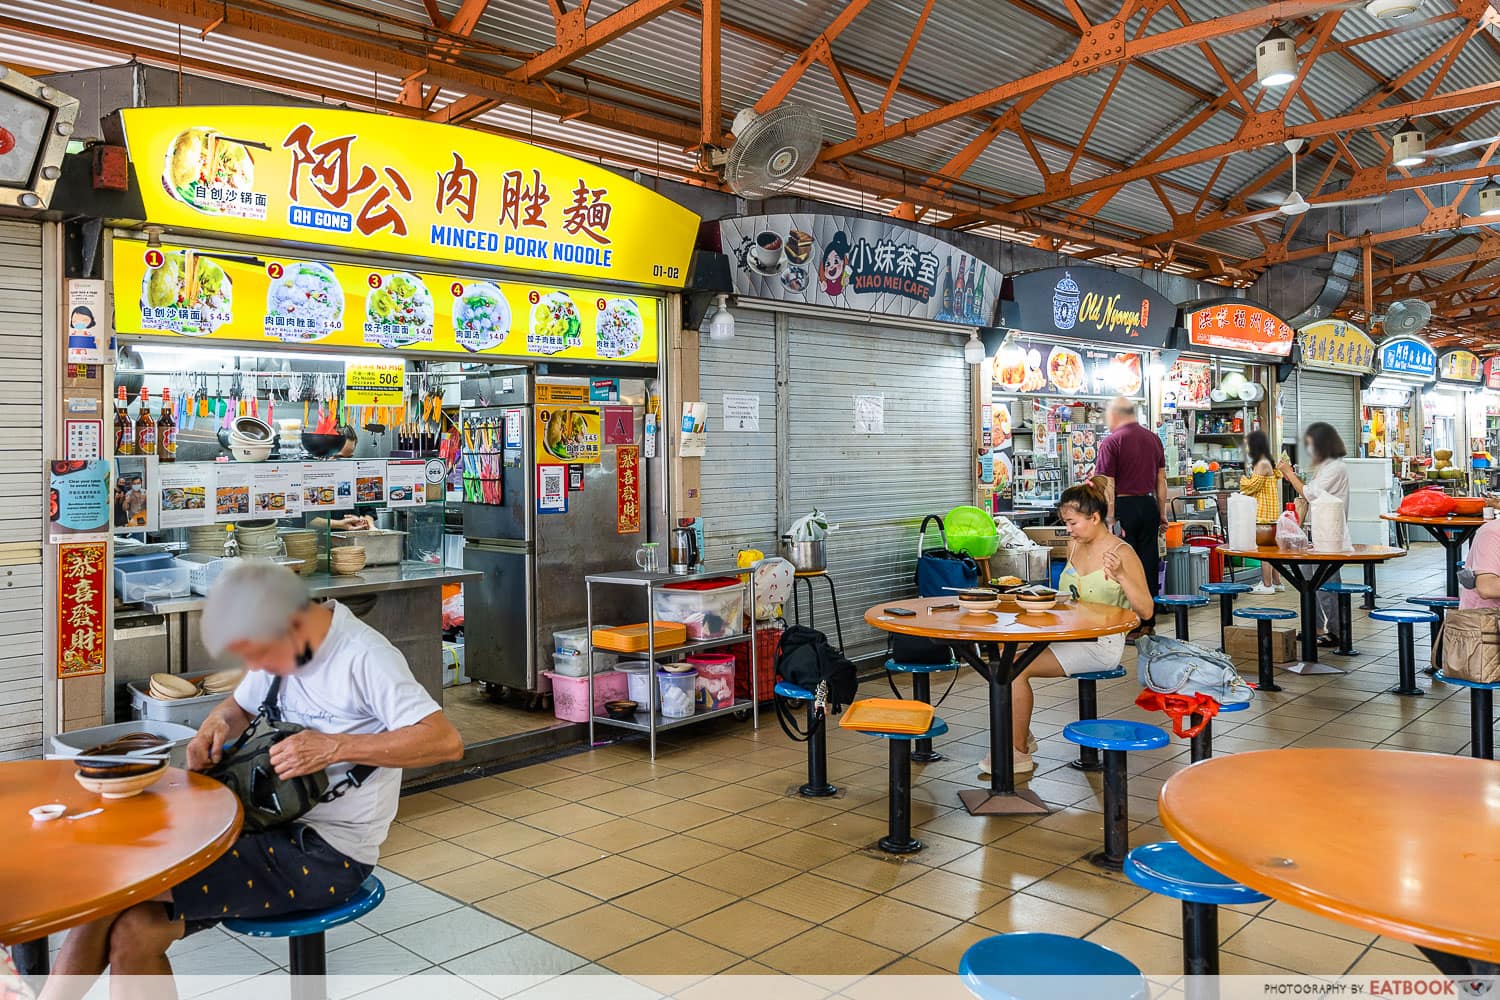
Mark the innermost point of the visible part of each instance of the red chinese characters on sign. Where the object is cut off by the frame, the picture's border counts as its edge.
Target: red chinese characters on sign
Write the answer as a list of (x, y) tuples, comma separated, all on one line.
[(521, 203), (589, 213), (457, 187), (80, 609), (1243, 328), (328, 168), (1492, 373), (627, 489)]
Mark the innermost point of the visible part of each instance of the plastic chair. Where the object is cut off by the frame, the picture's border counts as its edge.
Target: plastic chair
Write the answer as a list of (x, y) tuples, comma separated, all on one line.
[(921, 690), (1405, 618), (304, 931), (1088, 708), (1181, 604), (898, 838), (1439, 606), (1015, 966), (1345, 592), (817, 786), (1115, 737), (1168, 870), (1263, 617), (1227, 594), (1481, 715), (1202, 745)]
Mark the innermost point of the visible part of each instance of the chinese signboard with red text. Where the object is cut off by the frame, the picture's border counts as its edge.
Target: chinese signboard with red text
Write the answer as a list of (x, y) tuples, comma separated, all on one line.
[(80, 609)]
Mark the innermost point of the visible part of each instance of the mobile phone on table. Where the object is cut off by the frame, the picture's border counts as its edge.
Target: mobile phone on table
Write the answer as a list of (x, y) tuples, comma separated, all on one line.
[(901, 612)]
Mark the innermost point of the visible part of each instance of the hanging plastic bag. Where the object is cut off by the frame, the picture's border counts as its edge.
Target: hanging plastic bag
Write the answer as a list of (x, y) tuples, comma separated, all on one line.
[(1327, 525), (1289, 534), (1430, 501), (1179, 708), (1241, 521)]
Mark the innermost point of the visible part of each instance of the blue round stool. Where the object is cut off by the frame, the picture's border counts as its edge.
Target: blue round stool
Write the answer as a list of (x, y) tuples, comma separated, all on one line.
[(1202, 745), (921, 690), (304, 931), (1481, 715), (817, 786), (1115, 737), (1227, 593), (1263, 617), (1088, 708), (1438, 606), (1405, 618), (1345, 592), (1181, 604), (1167, 870), (1012, 967), (898, 838)]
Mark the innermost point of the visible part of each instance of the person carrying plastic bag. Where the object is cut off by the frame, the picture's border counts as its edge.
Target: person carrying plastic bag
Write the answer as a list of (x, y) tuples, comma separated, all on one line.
[(1330, 478)]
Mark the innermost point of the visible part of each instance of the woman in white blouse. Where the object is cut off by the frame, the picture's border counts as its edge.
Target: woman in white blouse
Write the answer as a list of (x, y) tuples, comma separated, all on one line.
[(1330, 478)]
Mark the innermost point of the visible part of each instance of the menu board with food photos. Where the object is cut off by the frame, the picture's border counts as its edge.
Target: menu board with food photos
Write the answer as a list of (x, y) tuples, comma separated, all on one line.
[(1038, 367), (1188, 384)]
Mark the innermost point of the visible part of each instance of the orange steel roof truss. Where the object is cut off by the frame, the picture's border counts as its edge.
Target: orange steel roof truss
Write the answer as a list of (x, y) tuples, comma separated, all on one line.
[(434, 53)]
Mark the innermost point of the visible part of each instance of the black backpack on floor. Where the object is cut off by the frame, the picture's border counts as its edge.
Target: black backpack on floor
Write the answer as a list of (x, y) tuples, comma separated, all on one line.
[(805, 659)]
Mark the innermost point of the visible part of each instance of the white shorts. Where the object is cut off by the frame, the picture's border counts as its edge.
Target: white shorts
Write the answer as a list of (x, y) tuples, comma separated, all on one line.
[(1086, 657)]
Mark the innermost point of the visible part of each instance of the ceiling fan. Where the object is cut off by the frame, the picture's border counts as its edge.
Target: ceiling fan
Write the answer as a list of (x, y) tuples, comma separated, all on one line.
[(1292, 203)]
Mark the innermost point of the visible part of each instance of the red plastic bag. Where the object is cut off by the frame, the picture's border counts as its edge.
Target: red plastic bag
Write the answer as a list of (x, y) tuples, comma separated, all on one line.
[(1178, 708), (1429, 501)]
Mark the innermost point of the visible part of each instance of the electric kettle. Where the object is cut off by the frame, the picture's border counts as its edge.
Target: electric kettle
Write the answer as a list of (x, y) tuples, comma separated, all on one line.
[(682, 550)]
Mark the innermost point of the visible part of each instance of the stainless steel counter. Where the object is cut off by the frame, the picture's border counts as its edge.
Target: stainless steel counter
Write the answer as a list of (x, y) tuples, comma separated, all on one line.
[(373, 580)]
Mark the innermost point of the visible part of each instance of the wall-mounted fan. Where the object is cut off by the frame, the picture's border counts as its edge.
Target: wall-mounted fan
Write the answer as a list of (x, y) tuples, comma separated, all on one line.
[(1291, 203), (1405, 317), (770, 151)]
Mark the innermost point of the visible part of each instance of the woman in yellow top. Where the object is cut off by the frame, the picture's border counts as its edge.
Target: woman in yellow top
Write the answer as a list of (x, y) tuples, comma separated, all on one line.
[(1103, 570), (1263, 485)]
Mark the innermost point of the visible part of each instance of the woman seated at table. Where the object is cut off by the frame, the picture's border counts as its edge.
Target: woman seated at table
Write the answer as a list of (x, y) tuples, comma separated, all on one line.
[(356, 697), (1101, 569), (1325, 449)]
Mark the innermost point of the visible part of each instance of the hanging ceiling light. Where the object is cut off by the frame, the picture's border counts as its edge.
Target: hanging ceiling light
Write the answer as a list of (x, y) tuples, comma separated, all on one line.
[(974, 349), (1489, 198), (721, 327), (1276, 59), (1408, 145)]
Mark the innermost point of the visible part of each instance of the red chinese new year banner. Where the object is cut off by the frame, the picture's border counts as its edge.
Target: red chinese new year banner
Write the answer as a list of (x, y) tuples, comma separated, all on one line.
[(627, 489), (80, 609)]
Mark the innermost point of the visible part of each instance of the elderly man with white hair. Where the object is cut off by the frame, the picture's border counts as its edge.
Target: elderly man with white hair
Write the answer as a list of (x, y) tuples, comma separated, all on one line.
[(360, 707)]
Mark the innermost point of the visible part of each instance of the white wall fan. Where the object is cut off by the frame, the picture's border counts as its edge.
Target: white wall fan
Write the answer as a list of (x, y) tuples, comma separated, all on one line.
[(1405, 317), (769, 151)]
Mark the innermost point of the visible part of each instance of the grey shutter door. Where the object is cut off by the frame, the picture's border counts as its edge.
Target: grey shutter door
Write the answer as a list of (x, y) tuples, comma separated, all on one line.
[(1326, 397), (876, 487), (739, 468), (21, 613)]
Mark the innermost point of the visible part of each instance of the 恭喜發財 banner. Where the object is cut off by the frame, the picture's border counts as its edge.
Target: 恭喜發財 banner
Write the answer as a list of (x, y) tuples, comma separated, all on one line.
[(390, 185), (862, 264), (217, 295)]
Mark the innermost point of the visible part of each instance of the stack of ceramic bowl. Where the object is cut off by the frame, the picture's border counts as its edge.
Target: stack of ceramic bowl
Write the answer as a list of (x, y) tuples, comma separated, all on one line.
[(258, 540), (346, 560), (250, 439), (114, 775), (206, 539), (222, 682), (171, 687), (302, 543)]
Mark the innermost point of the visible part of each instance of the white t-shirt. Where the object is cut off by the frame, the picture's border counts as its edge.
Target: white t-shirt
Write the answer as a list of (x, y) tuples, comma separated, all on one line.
[(357, 682)]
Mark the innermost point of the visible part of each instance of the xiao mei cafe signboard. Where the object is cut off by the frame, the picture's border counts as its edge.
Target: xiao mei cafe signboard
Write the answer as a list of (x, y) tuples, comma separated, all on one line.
[(859, 264), (222, 295), (1087, 303), (387, 185)]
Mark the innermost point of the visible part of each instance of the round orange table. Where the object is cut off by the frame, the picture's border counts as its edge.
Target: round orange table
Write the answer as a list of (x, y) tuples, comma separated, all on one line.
[(66, 872), (999, 645), (1450, 532), (1326, 566), (1392, 842)]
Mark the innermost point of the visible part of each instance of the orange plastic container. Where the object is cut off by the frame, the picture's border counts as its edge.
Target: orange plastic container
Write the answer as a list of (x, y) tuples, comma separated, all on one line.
[(1174, 535), (632, 638)]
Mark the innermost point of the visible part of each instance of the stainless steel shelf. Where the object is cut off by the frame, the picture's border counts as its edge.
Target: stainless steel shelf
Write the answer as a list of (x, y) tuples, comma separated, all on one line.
[(642, 723)]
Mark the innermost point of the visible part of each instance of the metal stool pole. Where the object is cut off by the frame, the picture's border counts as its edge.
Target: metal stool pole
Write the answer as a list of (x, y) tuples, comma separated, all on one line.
[(1369, 601), (1202, 743), (898, 838), (1482, 723), (1346, 626), (1226, 617), (1116, 813), (1406, 661), (1088, 708), (817, 786), (1267, 672), (921, 690)]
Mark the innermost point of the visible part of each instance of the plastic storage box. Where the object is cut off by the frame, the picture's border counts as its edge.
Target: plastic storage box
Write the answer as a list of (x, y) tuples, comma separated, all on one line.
[(677, 690), (708, 609), (570, 695), (155, 577), (715, 687), (183, 711)]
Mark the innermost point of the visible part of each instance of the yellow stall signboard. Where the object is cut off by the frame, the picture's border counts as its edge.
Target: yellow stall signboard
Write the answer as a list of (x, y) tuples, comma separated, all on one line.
[(1335, 346), (374, 382), (258, 298), (360, 181)]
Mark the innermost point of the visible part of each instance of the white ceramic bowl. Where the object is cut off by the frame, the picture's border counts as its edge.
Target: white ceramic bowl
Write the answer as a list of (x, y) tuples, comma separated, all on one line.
[(1031, 604), (120, 788), (250, 451)]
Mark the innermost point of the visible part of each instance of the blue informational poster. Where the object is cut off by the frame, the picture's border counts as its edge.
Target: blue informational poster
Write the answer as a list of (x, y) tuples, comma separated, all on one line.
[(80, 500)]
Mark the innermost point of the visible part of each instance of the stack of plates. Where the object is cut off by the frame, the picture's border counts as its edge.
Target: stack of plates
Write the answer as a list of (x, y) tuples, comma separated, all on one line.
[(206, 539), (222, 682), (171, 687), (302, 543), (258, 539), (346, 560)]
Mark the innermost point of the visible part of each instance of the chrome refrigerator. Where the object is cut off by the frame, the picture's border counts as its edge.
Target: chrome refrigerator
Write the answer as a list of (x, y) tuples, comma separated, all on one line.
[(534, 551)]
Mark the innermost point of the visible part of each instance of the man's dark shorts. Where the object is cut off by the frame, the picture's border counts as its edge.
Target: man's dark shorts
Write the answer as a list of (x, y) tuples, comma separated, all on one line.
[(266, 875)]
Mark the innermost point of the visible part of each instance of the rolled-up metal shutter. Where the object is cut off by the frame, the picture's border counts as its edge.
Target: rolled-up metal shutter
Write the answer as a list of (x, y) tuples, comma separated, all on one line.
[(21, 600), (876, 487), (1322, 396), (739, 468)]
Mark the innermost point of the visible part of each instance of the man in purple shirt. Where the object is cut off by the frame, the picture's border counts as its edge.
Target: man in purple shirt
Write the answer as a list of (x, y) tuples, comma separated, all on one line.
[(1134, 467)]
